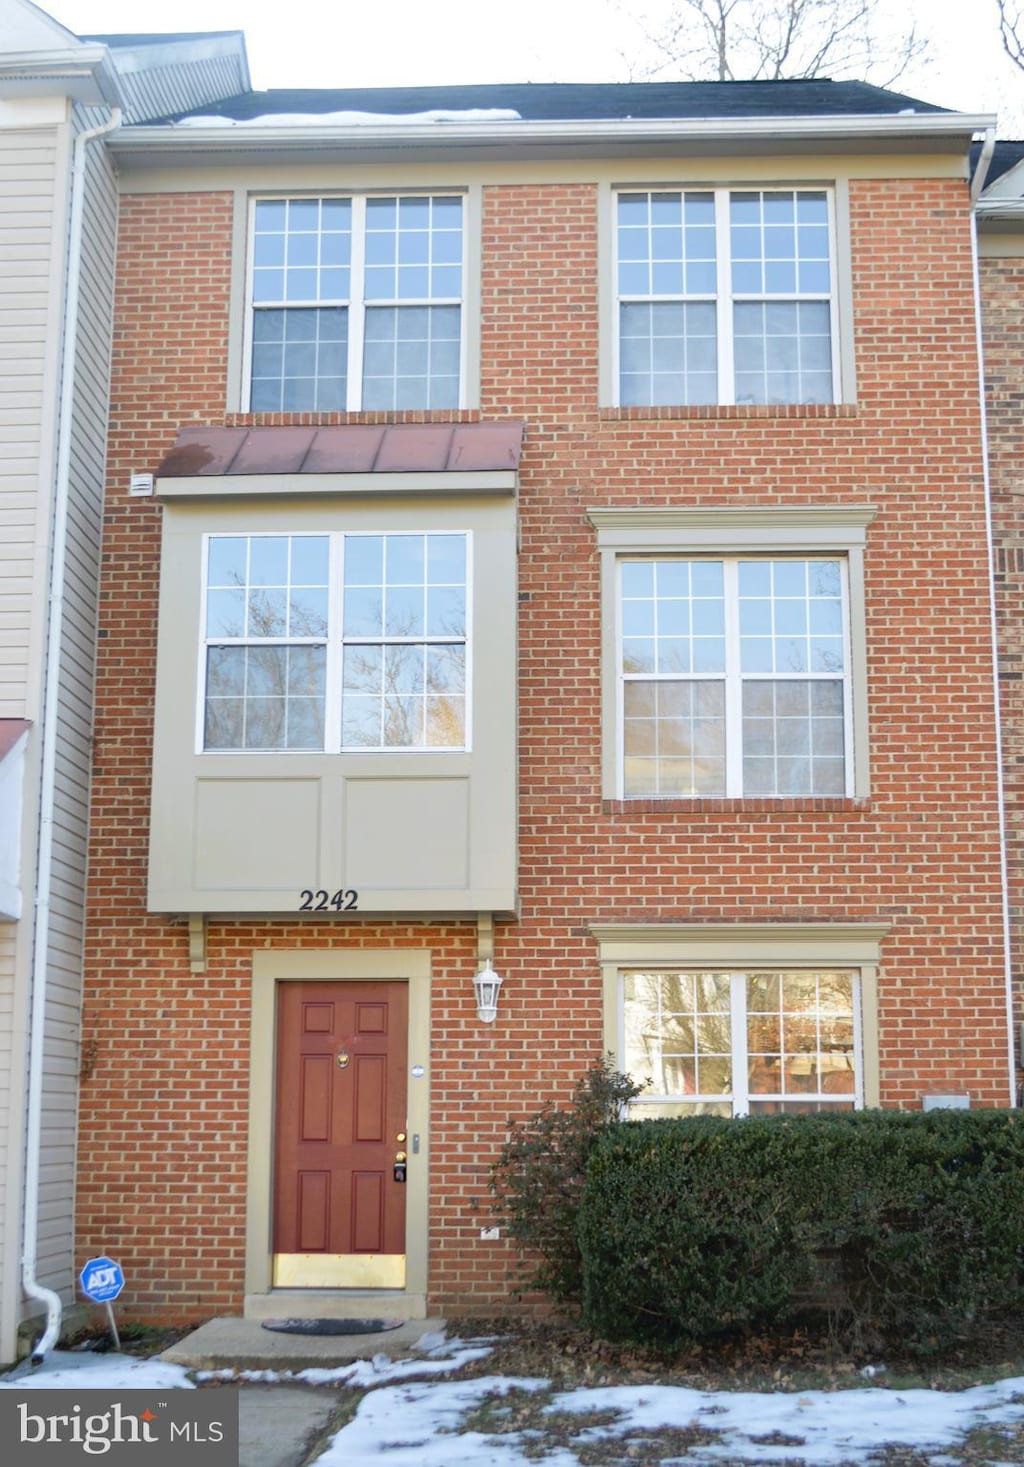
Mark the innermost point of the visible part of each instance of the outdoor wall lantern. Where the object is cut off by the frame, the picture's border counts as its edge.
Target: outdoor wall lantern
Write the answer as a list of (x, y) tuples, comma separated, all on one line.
[(487, 984)]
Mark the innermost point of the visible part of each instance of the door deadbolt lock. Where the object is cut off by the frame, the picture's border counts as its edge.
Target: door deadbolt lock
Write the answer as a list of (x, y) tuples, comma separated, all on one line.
[(400, 1136)]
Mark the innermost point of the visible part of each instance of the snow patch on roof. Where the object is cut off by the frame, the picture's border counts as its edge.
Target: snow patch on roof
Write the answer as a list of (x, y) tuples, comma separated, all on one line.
[(355, 119)]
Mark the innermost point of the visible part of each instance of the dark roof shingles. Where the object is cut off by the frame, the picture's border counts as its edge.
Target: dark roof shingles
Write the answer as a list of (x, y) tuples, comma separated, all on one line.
[(586, 101)]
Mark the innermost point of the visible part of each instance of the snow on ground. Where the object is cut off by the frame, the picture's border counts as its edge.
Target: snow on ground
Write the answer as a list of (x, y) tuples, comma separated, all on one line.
[(416, 1423), (82, 1370)]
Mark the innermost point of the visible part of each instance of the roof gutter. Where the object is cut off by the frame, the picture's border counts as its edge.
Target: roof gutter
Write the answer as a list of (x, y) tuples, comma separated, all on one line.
[(85, 72), (266, 135), (50, 734)]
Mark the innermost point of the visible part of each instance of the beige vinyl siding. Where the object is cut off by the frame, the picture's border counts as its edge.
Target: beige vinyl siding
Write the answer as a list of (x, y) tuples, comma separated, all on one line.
[(28, 214), (34, 183), (32, 223), (56, 1261)]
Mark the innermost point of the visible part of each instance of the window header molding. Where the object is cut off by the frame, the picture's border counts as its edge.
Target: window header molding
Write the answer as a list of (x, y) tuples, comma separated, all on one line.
[(742, 944), (734, 529), (300, 486)]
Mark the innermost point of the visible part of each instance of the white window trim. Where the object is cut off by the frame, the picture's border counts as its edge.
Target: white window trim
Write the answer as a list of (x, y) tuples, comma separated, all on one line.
[(468, 330), (844, 377), (731, 531), (742, 948), (725, 297), (739, 1097), (334, 648)]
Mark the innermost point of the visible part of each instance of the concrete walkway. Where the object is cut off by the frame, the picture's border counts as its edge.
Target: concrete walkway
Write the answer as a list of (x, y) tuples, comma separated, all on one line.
[(280, 1424)]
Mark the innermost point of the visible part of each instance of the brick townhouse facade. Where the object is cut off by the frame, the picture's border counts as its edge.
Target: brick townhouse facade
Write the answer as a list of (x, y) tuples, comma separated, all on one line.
[(568, 554), (1001, 281)]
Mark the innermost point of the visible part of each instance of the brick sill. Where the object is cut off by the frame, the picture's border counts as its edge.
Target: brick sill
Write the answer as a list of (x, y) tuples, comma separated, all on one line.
[(789, 805), (799, 411)]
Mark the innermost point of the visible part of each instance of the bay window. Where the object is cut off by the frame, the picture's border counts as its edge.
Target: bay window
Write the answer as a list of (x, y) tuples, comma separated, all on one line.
[(335, 642)]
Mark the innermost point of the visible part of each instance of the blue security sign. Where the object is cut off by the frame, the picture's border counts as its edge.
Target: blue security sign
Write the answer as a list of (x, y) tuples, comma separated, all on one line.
[(101, 1280)]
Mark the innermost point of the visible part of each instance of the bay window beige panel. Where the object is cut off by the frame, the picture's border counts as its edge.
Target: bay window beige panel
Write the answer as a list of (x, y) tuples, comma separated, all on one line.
[(338, 830), (233, 822), (376, 808)]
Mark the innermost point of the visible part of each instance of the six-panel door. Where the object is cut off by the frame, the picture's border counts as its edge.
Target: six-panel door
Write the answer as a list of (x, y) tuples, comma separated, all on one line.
[(341, 1147)]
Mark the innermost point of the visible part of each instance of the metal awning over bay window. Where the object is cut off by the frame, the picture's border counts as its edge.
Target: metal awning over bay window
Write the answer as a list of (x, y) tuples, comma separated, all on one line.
[(335, 713)]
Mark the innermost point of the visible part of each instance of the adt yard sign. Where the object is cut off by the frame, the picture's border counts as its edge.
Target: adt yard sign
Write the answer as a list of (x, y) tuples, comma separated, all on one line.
[(102, 1280)]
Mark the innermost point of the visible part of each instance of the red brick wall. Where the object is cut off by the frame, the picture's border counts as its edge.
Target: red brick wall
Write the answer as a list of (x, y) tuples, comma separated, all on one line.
[(164, 1106), (1002, 286)]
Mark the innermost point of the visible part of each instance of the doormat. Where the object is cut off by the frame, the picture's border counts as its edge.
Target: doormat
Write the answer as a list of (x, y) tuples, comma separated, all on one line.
[(331, 1326)]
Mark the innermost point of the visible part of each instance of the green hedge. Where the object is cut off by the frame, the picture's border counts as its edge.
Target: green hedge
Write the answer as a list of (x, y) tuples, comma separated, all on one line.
[(899, 1229)]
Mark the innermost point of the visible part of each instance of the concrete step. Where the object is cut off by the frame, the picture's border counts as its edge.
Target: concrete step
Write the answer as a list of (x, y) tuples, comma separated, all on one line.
[(335, 1304), (243, 1344)]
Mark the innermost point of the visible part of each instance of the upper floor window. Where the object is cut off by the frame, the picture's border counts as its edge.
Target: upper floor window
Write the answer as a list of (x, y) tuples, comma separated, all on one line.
[(725, 296), (733, 649), (735, 677), (356, 303), (328, 642)]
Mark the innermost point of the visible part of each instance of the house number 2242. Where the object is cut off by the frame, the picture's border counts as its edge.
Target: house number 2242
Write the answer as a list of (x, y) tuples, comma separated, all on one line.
[(321, 901)]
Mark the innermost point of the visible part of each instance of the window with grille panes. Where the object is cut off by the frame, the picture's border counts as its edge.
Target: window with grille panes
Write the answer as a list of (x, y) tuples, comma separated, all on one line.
[(721, 1042), (725, 296), (734, 676), (335, 642), (356, 303)]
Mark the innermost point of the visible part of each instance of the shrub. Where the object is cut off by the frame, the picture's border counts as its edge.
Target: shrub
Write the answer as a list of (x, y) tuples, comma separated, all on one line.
[(899, 1228), (537, 1181)]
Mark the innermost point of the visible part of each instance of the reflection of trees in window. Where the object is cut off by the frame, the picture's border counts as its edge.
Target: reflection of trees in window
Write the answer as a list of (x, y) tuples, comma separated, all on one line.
[(404, 635), (678, 1031), (800, 1034), (679, 1027), (404, 695), (265, 681)]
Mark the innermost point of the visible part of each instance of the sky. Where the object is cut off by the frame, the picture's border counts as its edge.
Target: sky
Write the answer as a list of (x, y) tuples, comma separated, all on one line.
[(415, 1422), (407, 43)]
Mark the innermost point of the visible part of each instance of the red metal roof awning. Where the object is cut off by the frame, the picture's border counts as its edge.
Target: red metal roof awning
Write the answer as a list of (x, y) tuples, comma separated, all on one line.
[(11, 730), (401, 448)]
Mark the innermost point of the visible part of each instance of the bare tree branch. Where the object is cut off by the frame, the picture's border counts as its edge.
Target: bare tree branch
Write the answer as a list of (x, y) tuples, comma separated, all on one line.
[(1011, 31), (785, 40)]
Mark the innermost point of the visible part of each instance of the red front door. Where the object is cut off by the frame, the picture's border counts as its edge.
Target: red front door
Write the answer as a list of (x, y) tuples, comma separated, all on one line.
[(340, 1154)]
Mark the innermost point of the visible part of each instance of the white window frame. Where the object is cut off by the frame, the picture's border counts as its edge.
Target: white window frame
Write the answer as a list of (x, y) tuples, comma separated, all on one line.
[(732, 533), (356, 304), (334, 646), (734, 679), (724, 297), (739, 949), (739, 1097)]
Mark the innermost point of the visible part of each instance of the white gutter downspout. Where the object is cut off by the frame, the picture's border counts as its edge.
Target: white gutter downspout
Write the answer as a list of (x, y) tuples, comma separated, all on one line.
[(977, 183), (51, 699), (981, 170)]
